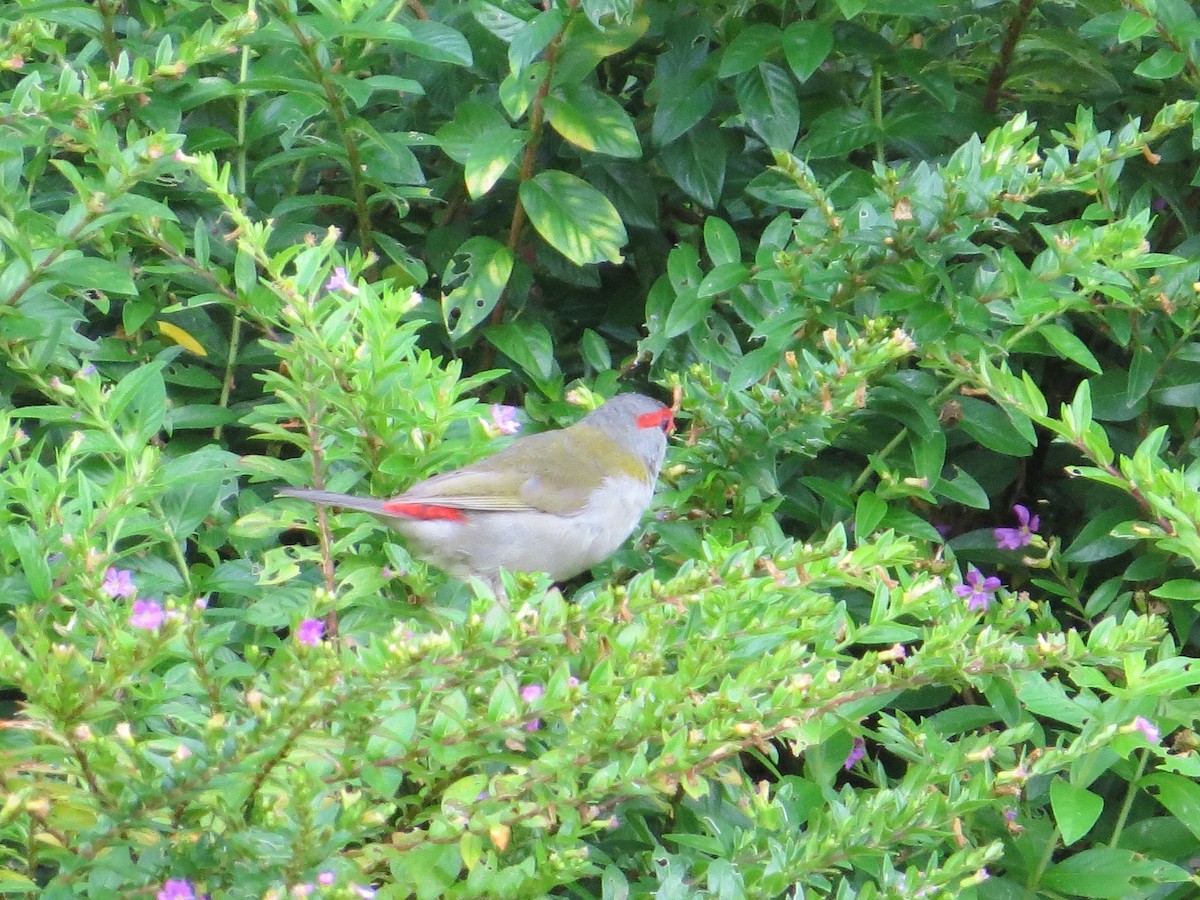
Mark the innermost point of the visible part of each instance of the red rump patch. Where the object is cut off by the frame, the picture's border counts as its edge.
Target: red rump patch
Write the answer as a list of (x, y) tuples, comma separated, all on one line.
[(663, 418), (425, 511)]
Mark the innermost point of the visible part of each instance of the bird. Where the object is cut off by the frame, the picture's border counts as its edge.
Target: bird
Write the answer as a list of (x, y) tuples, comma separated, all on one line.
[(558, 502)]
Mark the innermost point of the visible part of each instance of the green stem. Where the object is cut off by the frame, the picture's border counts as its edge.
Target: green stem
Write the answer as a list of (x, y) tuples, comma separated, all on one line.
[(877, 109), (1127, 803)]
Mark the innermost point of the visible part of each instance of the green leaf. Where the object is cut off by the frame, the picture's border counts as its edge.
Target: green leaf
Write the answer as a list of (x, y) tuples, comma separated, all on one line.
[(1180, 795), (1178, 589), (1164, 64), (527, 344), (988, 424), (476, 276), (472, 120), (140, 400), (963, 489), (806, 45), (752, 45), (1069, 346), (868, 513), (1105, 872), (1076, 809), (684, 99), (721, 242), (592, 121), (766, 96), (584, 45), (1095, 541), (533, 38), (518, 89), (697, 163), (93, 274), (574, 218), (489, 157), (436, 41), (1136, 24), (723, 279), (1185, 395)]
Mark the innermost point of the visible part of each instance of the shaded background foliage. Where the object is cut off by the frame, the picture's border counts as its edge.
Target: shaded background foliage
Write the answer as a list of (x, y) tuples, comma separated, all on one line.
[(907, 264)]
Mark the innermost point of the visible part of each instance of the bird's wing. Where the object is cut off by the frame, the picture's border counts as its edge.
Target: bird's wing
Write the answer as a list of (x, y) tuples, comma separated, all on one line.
[(547, 472)]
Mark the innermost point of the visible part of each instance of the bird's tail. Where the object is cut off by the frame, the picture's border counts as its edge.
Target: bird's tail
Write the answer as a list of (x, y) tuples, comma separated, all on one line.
[(371, 505)]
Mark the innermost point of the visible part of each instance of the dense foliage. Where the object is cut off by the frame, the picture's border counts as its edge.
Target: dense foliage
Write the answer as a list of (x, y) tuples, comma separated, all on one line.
[(915, 615)]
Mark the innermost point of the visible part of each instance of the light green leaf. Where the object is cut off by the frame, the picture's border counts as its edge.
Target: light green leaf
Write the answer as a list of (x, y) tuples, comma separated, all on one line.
[(1069, 346), (476, 277), (574, 218), (592, 121), (721, 242), (1076, 809), (490, 155), (528, 344), (91, 273), (1164, 64)]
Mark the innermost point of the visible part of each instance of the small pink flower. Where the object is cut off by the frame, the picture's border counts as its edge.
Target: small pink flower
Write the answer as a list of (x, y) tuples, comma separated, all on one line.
[(504, 419), (310, 631), (340, 281), (326, 878), (1148, 728), (147, 615), (118, 583), (532, 692), (176, 889)]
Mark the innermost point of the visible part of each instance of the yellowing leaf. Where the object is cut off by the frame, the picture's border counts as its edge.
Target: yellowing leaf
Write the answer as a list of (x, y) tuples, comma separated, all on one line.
[(181, 337)]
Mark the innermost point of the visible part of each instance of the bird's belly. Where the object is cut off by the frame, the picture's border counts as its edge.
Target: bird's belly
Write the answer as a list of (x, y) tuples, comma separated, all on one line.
[(530, 541)]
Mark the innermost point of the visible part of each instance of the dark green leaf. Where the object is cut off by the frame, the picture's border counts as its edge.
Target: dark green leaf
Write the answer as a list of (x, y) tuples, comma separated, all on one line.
[(697, 163), (751, 46), (767, 98), (806, 45)]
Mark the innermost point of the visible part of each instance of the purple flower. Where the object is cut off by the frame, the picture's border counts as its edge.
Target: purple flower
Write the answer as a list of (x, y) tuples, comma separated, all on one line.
[(1148, 728), (857, 752), (978, 591), (325, 879), (532, 692), (149, 615), (176, 889), (340, 281), (309, 632), (118, 583), (1022, 535)]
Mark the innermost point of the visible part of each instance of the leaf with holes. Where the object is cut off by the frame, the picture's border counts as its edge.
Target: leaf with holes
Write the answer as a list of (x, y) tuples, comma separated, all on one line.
[(574, 218), (476, 277)]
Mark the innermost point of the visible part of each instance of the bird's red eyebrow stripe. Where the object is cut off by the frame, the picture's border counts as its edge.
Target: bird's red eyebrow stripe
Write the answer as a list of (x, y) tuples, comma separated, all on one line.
[(657, 419), (425, 511)]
